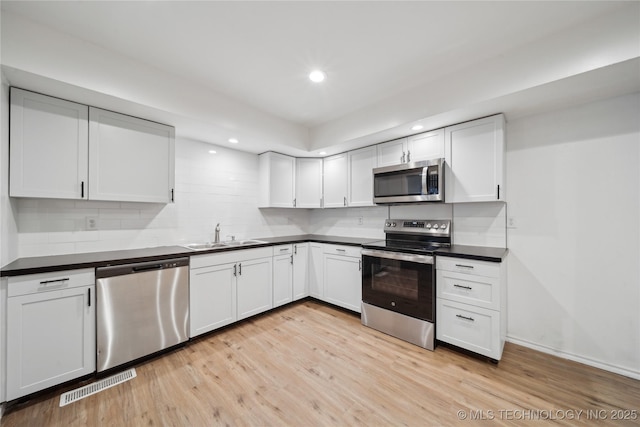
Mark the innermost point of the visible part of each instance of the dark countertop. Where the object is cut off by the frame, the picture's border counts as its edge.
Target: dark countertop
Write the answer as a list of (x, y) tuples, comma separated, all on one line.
[(478, 253), (46, 264)]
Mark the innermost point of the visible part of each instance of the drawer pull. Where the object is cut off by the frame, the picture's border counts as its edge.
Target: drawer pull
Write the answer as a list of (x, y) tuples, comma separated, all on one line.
[(341, 250), (461, 286), (46, 282), (460, 316), (464, 266), (284, 249)]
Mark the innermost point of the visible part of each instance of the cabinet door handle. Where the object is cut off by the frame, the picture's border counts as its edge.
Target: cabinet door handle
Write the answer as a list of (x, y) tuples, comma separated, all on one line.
[(460, 316), (464, 266), (345, 200), (295, 249), (291, 259), (402, 158), (172, 194), (89, 298), (82, 189), (240, 269), (498, 191), (359, 265), (235, 270), (46, 282), (463, 287), (294, 203), (321, 202), (408, 156)]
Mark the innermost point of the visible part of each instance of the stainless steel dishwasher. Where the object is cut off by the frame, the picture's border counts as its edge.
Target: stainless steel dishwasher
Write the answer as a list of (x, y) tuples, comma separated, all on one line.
[(141, 309)]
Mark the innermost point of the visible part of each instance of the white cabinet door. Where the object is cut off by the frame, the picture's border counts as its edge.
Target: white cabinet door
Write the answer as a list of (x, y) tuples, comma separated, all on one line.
[(255, 292), (49, 142), (474, 154), (130, 159), (426, 146), (300, 271), (335, 173), (282, 279), (212, 298), (316, 280), (361, 164), (277, 180), (308, 183), (50, 339), (392, 152), (343, 281)]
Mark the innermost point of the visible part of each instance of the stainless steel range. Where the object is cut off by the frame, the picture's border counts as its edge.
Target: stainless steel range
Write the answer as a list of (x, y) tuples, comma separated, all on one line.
[(398, 279)]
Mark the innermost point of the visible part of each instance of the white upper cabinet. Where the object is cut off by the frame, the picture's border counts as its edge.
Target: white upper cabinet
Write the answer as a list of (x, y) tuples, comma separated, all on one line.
[(335, 181), (277, 180), (425, 146), (474, 155), (64, 150), (308, 183), (361, 164), (49, 141), (392, 152), (130, 159)]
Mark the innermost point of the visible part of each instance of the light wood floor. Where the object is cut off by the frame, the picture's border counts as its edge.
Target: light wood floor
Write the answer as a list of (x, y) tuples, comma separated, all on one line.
[(309, 364)]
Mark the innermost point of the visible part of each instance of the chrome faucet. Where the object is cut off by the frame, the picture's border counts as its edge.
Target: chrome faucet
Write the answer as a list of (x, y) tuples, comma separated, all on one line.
[(216, 238)]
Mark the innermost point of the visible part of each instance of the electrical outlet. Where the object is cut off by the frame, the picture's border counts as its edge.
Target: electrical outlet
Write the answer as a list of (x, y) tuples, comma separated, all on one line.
[(511, 222), (91, 223), (360, 220)]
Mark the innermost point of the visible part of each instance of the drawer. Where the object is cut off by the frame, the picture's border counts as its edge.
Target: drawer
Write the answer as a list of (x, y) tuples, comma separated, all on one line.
[(468, 266), (353, 251), (44, 282), (473, 328), (282, 250), (469, 289)]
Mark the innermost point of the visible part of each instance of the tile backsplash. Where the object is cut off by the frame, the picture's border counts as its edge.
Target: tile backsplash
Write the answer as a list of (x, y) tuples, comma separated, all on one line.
[(220, 187)]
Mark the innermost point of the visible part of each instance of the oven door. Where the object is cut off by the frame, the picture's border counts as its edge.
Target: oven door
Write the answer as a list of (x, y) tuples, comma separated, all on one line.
[(400, 282)]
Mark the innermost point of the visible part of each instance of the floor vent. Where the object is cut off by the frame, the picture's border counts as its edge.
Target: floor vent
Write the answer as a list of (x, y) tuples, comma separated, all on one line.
[(98, 386)]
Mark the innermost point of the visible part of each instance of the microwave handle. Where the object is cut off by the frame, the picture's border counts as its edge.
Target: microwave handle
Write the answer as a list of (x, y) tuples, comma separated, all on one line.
[(425, 176)]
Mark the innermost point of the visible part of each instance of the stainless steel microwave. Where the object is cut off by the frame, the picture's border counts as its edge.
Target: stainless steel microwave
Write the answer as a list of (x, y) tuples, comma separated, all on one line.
[(409, 182)]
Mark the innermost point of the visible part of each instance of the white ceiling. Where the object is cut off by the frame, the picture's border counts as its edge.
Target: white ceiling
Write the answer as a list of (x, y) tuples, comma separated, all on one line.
[(259, 53)]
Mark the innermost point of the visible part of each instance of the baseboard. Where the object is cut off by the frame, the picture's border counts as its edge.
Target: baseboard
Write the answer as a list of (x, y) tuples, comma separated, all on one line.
[(576, 358)]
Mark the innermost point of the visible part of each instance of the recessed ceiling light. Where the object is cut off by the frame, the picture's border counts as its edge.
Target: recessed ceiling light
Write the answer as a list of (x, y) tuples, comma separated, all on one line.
[(322, 153), (416, 127), (212, 151), (233, 140), (317, 76)]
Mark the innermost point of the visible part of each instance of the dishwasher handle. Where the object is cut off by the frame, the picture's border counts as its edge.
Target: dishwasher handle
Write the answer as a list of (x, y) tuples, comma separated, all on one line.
[(147, 268), (142, 267)]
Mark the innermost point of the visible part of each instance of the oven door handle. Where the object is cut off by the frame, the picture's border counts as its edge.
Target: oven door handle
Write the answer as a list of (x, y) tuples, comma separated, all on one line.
[(422, 259)]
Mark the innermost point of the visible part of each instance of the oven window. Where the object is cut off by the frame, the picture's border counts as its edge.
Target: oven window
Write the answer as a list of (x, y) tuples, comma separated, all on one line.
[(401, 286), (394, 280)]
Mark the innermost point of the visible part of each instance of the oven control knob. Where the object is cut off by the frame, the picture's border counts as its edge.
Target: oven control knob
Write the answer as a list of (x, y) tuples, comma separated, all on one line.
[(443, 226), (393, 224), (387, 224), (429, 225)]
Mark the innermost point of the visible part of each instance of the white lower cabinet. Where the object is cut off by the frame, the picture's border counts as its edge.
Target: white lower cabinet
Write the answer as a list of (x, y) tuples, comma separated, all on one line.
[(212, 295), (343, 276), (51, 335), (282, 275), (255, 292), (316, 279), (471, 305), (301, 260), (227, 287)]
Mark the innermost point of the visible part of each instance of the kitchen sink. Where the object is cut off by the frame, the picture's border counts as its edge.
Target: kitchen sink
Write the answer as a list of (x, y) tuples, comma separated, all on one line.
[(225, 244), (242, 242)]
